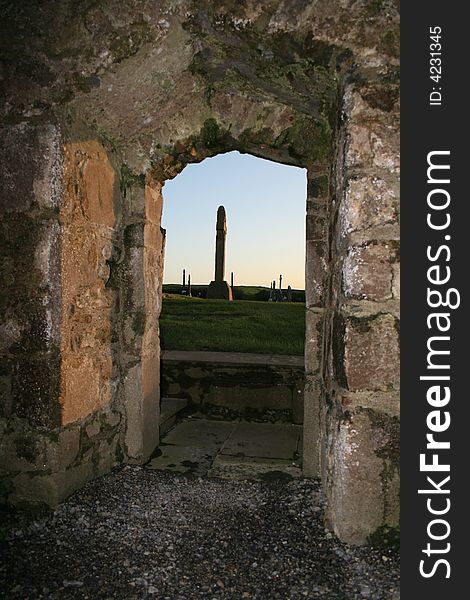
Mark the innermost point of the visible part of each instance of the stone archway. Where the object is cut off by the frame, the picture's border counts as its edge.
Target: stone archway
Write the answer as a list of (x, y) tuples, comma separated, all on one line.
[(211, 140), (107, 111)]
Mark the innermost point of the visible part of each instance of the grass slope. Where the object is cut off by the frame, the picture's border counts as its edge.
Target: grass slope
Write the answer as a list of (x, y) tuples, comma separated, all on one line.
[(240, 292), (241, 326)]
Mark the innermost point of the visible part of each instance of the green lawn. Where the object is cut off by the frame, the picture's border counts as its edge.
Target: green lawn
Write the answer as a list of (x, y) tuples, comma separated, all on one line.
[(240, 326)]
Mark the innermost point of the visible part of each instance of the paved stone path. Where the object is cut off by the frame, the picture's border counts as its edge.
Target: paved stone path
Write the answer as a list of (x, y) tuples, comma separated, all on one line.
[(232, 450)]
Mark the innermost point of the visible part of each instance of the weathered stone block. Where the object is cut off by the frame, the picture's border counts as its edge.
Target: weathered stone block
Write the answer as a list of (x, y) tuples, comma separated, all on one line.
[(373, 136), (311, 433), (134, 235), (367, 272), (34, 489), (298, 403), (88, 215), (373, 145), (153, 200), (142, 410), (371, 353), (135, 289), (35, 390), (318, 187), (93, 428), (85, 383), (21, 450), (368, 202), (61, 454), (36, 153), (379, 401), (30, 259), (362, 476), (107, 456), (316, 227), (68, 480), (314, 332), (111, 417), (316, 270)]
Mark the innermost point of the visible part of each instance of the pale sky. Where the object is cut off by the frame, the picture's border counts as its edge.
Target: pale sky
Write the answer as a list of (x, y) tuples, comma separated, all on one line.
[(265, 206)]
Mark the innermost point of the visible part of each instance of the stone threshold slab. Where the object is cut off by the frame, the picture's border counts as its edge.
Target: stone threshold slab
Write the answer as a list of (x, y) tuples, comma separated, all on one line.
[(233, 358)]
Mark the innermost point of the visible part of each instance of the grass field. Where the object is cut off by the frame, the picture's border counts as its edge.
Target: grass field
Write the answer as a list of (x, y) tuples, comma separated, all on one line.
[(241, 326)]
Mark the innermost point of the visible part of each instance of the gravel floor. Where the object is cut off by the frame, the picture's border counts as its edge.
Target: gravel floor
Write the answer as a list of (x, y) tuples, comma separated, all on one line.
[(138, 533)]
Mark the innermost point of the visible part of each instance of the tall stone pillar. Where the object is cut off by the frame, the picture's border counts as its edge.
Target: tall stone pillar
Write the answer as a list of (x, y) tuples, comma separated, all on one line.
[(220, 289), (361, 416)]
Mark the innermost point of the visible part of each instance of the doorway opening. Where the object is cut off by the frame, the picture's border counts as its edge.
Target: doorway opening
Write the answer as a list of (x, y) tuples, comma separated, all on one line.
[(232, 372)]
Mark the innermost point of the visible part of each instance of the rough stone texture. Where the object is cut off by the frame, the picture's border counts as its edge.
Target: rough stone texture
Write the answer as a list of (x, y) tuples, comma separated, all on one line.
[(313, 398), (364, 460), (369, 202), (30, 272), (367, 272), (42, 467), (87, 221), (371, 354), (253, 391), (359, 419), (159, 85)]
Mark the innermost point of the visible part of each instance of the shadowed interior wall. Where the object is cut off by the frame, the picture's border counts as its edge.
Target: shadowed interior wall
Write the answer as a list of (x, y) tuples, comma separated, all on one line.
[(87, 220)]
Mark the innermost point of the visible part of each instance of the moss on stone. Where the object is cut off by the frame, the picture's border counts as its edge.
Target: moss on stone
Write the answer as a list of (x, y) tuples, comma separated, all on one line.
[(115, 279), (129, 178), (26, 446), (390, 425), (35, 390), (385, 537), (211, 134), (130, 38), (382, 97), (318, 187), (133, 235), (310, 139), (264, 136), (339, 331), (138, 322)]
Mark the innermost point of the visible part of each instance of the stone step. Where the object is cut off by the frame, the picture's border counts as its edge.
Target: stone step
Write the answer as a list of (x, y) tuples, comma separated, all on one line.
[(237, 385), (169, 410)]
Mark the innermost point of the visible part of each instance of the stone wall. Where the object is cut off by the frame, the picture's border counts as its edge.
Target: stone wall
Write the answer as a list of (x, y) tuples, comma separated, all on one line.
[(360, 465), (87, 221), (58, 425), (82, 261), (246, 386), (138, 274), (102, 103)]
